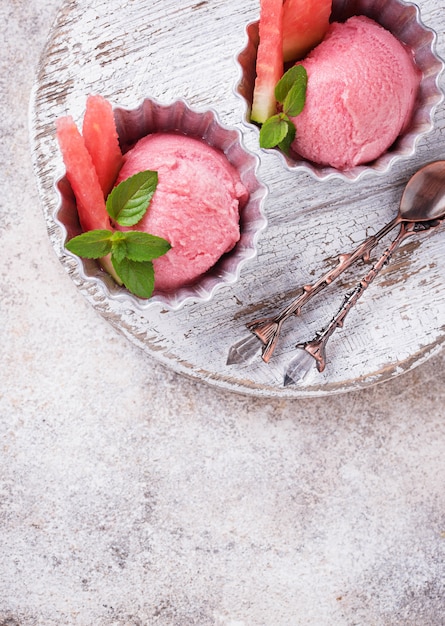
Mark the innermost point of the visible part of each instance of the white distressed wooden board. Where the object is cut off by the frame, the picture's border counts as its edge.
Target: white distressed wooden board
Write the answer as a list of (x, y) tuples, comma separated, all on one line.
[(131, 49)]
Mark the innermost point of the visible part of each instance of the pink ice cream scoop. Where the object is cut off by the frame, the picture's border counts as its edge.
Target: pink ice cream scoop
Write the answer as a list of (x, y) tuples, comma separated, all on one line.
[(195, 206), (361, 92)]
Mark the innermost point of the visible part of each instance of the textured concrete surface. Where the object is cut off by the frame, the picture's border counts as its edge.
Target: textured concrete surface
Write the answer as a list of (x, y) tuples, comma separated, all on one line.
[(131, 496)]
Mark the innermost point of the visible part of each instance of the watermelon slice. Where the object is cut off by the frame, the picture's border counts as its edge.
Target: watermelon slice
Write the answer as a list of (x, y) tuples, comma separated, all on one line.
[(269, 63), (305, 23), (101, 140), (82, 176), (84, 182)]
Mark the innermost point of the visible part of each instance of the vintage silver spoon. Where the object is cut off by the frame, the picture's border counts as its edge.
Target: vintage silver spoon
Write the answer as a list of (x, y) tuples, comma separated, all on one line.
[(423, 200)]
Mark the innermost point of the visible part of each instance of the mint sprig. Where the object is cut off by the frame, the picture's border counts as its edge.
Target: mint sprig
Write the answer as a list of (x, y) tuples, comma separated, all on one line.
[(131, 251), (290, 91)]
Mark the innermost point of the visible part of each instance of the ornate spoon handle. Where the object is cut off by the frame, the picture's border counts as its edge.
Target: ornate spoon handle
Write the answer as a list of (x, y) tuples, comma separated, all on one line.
[(268, 329), (317, 347)]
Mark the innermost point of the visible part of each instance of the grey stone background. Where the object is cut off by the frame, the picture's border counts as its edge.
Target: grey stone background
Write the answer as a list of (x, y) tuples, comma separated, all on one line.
[(132, 496)]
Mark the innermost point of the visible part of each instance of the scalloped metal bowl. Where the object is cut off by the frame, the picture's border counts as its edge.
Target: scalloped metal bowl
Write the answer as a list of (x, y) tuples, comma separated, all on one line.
[(152, 116), (403, 20)]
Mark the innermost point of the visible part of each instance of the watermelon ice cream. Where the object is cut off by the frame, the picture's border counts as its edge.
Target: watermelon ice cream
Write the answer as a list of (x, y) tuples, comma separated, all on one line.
[(192, 211), (361, 92), (195, 206)]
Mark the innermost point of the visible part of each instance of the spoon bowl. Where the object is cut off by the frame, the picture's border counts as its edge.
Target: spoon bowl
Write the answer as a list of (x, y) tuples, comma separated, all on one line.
[(424, 196)]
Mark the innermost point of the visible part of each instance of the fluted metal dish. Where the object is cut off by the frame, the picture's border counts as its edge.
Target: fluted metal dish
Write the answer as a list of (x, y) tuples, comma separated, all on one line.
[(401, 18), (152, 116)]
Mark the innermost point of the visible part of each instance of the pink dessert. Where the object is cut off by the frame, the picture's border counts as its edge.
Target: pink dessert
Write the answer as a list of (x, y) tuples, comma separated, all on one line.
[(195, 206), (362, 88)]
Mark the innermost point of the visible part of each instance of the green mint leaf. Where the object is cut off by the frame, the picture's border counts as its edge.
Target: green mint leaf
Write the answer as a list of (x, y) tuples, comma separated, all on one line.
[(273, 131), (119, 246), (93, 244), (283, 86), (128, 201), (295, 98), (286, 143), (142, 246), (137, 276)]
